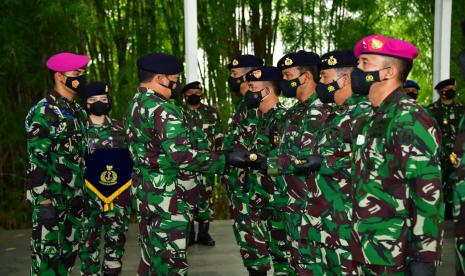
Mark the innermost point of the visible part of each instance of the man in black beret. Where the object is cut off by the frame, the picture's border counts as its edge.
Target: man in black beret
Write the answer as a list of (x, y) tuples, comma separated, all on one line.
[(263, 94), (241, 129), (205, 125), (103, 133), (334, 210), (160, 146), (447, 114)]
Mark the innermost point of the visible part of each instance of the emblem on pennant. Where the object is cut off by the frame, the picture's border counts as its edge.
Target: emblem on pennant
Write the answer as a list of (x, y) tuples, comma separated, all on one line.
[(108, 177)]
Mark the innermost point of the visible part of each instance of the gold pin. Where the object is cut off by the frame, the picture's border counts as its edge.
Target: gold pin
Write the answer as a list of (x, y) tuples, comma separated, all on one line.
[(253, 157), (288, 61), (453, 158)]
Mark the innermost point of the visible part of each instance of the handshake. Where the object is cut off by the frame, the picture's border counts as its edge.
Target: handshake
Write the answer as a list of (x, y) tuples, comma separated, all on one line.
[(257, 161)]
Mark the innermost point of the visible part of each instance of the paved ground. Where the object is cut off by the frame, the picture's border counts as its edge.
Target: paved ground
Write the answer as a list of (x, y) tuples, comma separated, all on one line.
[(223, 259)]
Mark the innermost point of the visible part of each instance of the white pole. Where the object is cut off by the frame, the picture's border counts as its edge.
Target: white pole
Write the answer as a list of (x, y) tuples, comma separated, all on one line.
[(190, 38), (442, 34)]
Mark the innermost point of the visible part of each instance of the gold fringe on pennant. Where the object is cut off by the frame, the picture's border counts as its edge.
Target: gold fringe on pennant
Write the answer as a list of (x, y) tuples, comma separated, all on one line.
[(108, 201)]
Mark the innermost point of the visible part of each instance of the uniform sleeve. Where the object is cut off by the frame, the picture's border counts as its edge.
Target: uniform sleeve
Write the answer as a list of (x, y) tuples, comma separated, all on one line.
[(218, 132), (419, 140), (459, 180), (179, 152), (39, 133)]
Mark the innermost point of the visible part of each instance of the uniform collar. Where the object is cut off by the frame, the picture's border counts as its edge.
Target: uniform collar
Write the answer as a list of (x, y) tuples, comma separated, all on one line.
[(392, 98), (106, 122), (145, 90)]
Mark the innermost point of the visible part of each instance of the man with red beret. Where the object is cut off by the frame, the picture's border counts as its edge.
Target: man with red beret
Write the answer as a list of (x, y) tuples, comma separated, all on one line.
[(56, 144), (398, 205)]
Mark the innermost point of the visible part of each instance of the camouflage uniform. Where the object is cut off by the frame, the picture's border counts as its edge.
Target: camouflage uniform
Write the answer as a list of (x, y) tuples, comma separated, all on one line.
[(115, 222), (252, 243), (398, 208), (330, 228), (263, 189), (447, 117), (55, 144), (459, 198), (303, 122), (160, 148), (206, 126)]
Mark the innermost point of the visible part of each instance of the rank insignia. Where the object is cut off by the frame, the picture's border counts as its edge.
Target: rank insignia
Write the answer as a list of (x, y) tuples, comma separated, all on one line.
[(276, 139), (106, 88), (288, 61), (445, 122), (235, 62), (332, 61), (453, 158), (257, 74)]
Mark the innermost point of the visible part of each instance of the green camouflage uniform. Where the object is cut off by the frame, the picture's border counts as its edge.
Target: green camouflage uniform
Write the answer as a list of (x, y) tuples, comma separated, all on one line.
[(303, 122), (206, 126), (252, 243), (160, 148), (263, 189), (459, 198), (55, 144), (398, 207), (447, 117), (114, 222), (331, 220)]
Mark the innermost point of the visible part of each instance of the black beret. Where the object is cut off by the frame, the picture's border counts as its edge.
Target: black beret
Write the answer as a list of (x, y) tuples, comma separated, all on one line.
[(411, 84), (160, 63), (264, 73), (94, 89), (301, 58), (242, 61), (338, 59), (192, 85), (445, 83)]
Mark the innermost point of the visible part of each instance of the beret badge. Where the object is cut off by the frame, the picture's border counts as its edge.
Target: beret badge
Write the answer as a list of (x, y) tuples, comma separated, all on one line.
[(257, 74), (235, 62), (332, 61)]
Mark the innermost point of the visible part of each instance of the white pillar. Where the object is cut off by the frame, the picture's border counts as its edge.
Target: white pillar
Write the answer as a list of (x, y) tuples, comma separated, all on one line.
[(441, 50), (190, 38)]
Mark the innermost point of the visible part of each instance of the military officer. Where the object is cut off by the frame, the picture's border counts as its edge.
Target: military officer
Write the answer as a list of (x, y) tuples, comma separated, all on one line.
[(160, 148), (204, 121), (411, 88), (55, 145), (398, 209), (100, 213), (239, 135), (459, 197), (331, 224), (447, 113)]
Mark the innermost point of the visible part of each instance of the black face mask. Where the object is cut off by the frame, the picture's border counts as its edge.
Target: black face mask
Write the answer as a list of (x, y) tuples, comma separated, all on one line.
[(289, 87), (193, 99), (76, 84), (99, 108), (235, 83), (413, 95), (326, 91), (449, 94), (175, 92), (253, 99), (362, 81)]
